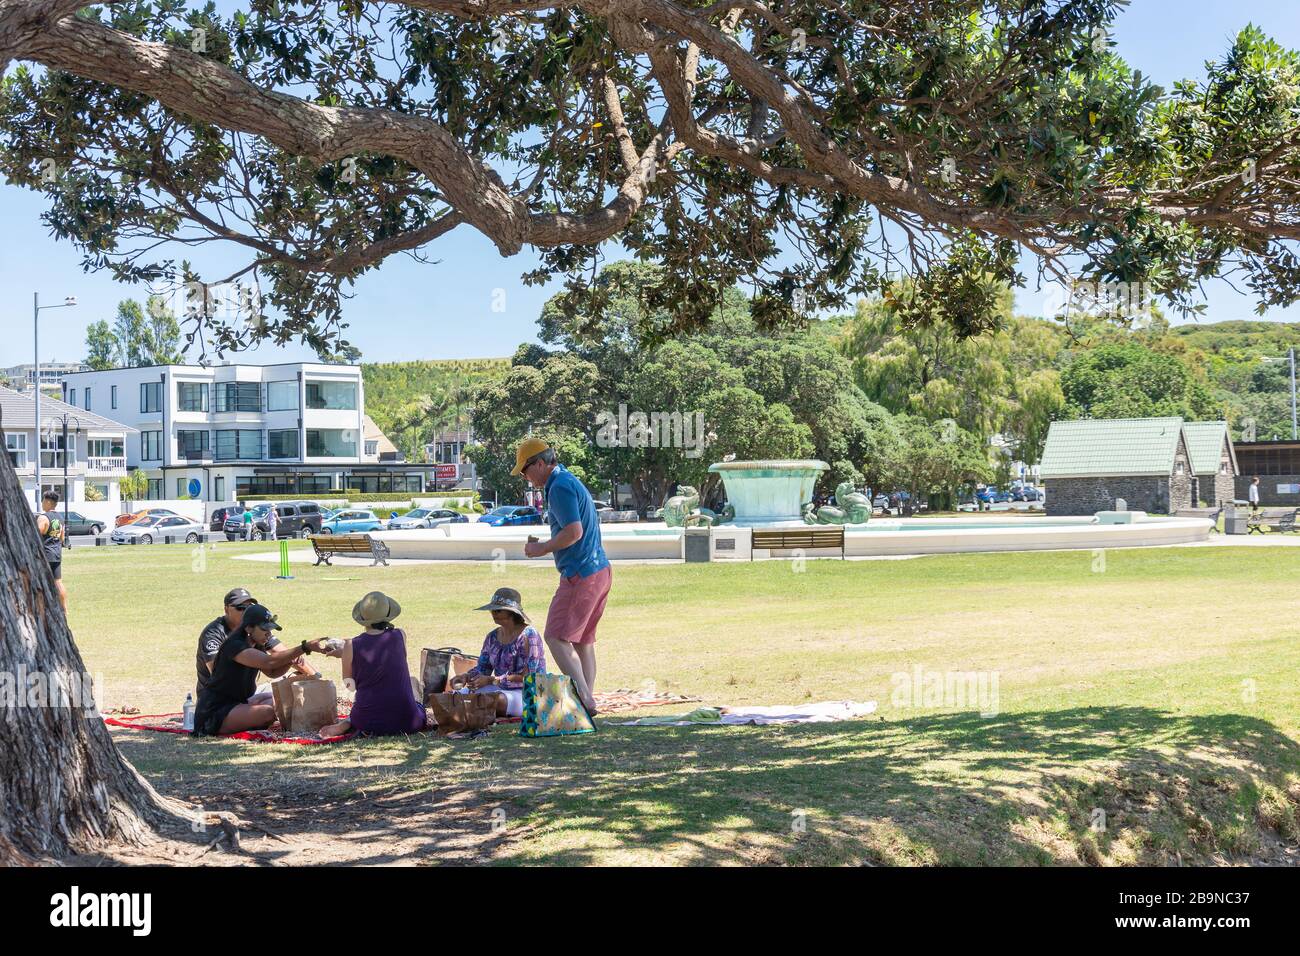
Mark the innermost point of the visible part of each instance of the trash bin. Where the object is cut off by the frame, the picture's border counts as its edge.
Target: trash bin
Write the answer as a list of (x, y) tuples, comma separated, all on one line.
[(1234, 521), (697, 545)]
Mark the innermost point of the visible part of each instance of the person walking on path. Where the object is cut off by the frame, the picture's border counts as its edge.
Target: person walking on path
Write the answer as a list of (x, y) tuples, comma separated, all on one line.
[(1252, 494), (272, 523), (585, 574), (50, 528)]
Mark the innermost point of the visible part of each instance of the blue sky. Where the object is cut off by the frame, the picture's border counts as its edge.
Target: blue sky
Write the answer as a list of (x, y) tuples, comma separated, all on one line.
[(471, 303)]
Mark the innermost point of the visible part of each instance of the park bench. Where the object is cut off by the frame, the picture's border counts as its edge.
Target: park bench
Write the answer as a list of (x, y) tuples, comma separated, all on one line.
[(774, 539), (1257, 521), (328, 545)]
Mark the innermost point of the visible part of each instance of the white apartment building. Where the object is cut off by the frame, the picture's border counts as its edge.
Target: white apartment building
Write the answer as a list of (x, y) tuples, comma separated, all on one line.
[(220, 433), (94, 454), (23, 377)]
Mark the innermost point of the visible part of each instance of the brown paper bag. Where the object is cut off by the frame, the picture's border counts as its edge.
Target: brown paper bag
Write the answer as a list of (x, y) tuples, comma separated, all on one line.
[(438, 667), (315, 704), (281, 694)]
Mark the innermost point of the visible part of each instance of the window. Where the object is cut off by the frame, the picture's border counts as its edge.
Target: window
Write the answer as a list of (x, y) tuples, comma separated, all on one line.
[(334, 395), (219, 488), (193, 444), (192, 396), (72, 396), (155, 491), (16, 448), (282, 396), (105, 448), (238, 397), (150, 397), (333, 443), (52, 451), (86, 398), (182, 487), (372, 449), (244, 444), (112, 396), (282, 443), (151, 446), (1178, 468)]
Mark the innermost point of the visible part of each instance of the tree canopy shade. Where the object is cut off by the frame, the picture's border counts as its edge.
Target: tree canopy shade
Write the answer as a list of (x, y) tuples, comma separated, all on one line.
[(806, 150)]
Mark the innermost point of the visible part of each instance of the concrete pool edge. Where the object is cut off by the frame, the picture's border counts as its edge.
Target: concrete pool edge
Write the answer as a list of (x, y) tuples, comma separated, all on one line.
[(655, 541)]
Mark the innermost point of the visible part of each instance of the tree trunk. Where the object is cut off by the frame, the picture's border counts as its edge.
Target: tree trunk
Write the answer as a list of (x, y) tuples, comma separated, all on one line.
[(64, 788)]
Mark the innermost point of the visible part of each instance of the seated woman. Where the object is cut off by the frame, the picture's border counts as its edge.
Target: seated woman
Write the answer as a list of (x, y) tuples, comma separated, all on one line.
[(374, 668), (512, 651), (224, 706)]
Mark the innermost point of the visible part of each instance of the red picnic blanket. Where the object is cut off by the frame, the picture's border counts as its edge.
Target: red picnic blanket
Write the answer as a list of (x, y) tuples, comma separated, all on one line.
[(610, 702)]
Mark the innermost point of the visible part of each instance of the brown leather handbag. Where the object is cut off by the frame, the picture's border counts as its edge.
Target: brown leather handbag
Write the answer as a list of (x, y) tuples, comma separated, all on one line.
[(454, 713)]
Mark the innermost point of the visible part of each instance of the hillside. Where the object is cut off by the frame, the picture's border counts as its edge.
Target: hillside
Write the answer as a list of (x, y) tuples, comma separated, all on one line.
[(1240, 337), (409, 401)]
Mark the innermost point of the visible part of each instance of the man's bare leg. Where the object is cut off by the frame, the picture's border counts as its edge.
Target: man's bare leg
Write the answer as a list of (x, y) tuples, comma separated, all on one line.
[(587, 657), (63, 594), (566, 656)]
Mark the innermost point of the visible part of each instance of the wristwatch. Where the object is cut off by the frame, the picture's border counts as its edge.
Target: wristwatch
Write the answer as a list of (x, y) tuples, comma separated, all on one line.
[(305, 648)]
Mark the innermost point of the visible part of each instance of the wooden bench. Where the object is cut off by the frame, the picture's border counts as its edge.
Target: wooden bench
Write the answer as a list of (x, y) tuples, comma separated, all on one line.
[(1257, 521), (327, 545), (774, 539)]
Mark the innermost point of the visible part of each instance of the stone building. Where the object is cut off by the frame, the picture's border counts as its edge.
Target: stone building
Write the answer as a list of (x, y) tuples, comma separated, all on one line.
[(1214, 460), (1090, 463)]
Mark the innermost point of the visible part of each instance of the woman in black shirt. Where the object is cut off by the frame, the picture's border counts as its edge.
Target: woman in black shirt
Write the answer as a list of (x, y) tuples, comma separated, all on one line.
[(223, 706)]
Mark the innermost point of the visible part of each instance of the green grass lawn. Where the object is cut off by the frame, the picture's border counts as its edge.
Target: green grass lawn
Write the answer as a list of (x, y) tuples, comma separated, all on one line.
[(1156, 686)]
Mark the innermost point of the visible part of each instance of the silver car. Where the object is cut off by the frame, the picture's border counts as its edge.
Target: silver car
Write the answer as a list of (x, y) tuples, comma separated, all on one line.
[(425, 518), (153, 528)]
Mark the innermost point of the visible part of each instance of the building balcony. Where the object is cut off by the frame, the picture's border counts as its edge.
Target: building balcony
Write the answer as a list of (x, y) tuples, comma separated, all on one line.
[(106, 466)]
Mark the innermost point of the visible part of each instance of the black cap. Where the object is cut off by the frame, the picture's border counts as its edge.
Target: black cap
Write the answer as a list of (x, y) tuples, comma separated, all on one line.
[(236, 596), (259, 616)]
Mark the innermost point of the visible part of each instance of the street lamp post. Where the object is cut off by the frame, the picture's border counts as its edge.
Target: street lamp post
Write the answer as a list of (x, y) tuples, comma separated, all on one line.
[(68, 302), (64, 418)]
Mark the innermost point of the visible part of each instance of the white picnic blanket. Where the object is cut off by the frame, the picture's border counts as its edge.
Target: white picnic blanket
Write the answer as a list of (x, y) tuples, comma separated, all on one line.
[(818, 713)]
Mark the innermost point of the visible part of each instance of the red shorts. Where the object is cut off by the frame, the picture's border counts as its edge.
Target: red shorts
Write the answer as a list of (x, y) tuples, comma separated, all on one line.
[(577, 606)]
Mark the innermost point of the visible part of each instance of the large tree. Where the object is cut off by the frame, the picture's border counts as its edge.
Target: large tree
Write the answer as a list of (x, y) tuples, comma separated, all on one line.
[(805, 149)]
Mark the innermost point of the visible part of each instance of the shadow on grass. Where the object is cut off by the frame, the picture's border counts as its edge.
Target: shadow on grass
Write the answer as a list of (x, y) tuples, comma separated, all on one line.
[(1123, 785)]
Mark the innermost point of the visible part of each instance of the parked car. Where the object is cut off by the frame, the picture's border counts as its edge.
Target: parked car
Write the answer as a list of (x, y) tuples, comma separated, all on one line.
[(602, 505), (219, 518), (352, 521), (1027, 493), (426, 518), (137, 515), (153, 528), (511, 516), (296, 519), (77, 523)]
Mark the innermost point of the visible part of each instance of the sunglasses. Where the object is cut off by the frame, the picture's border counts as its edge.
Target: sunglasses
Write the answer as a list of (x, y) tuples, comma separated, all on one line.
[(243, 607)]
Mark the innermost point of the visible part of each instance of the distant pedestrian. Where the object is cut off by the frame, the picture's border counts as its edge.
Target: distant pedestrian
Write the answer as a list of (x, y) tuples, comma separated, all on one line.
[(52, 535), (248, 522), (1252, 495), (272, 523)]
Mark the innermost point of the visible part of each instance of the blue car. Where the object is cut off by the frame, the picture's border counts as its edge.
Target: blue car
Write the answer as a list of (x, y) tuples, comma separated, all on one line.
[(350, 521), (511, 515)]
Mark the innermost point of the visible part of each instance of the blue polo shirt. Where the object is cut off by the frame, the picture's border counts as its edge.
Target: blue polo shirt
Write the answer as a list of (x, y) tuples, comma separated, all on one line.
[(570, 501)]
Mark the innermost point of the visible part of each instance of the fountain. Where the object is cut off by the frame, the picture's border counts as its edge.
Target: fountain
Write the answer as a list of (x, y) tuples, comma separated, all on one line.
[(769, 493)]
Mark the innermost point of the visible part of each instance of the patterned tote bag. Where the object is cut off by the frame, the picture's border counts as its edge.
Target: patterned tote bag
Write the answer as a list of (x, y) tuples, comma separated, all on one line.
[(552, 708)]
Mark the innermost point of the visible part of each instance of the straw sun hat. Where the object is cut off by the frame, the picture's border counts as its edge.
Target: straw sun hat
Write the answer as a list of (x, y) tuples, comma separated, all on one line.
[(375, 608)]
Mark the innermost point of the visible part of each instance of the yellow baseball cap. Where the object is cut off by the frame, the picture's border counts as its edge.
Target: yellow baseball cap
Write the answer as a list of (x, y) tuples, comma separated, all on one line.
[(527, 449)]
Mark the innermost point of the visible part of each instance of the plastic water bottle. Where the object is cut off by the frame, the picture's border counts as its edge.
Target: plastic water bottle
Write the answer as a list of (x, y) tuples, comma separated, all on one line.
[(187, 713)]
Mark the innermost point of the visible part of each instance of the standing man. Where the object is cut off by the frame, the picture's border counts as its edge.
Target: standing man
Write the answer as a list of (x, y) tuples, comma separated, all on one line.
[(52, 535), (585, 573), (272, 523), (247, 518), (1252, 493)]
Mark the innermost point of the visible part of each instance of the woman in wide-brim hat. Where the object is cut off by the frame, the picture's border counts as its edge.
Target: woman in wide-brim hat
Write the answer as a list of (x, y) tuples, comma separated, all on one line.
[(375, 671), (511, 651)]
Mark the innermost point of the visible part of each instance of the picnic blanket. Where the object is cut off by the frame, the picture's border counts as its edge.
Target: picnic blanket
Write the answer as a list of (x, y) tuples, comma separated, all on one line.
[(174, 724), (820, 713), (612, 702)]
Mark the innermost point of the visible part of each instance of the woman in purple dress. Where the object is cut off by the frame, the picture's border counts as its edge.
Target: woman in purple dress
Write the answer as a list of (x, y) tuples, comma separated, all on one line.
[(374, 668), (511, 651)]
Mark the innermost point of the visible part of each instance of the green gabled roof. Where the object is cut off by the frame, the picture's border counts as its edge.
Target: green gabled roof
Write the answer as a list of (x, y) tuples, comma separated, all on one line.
[(1106, 447), (1205, 446)]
